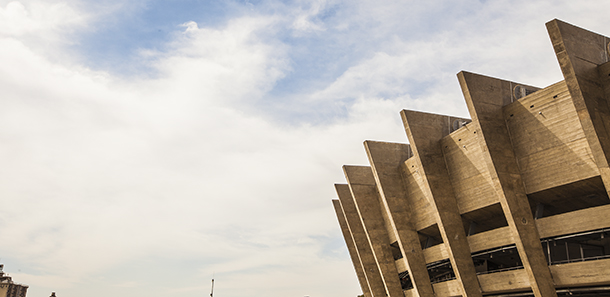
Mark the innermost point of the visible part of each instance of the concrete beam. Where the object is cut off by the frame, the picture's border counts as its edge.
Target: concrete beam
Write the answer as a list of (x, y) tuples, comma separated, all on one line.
[(364, 191), (351, 247), (425, 131), (485, 97), (575, 221), (587, 273), (450, 288), (580, 53), (363, 247), (505, 281), (386, 159)]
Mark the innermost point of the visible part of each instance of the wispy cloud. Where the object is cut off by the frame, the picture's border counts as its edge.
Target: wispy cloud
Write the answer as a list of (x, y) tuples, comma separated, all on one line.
[(221, 160), (40, 18)]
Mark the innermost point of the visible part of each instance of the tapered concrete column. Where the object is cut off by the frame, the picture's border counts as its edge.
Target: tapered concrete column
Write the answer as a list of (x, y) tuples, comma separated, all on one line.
[(485, 97), (425, 131), (364, 191), (363, 247), (386, 159), (351, 247), (579, 53)]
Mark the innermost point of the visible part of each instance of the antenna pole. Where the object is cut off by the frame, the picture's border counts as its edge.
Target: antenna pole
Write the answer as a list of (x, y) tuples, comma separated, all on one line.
[(212, 293)]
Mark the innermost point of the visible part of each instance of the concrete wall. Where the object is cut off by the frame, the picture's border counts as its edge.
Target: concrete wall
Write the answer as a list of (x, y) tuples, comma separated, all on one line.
[(548, 139)]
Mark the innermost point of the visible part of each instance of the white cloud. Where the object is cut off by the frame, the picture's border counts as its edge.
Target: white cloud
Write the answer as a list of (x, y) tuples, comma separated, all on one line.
[(105, 179), (19, 18), (100, 172), (306, 16), (42, 26)]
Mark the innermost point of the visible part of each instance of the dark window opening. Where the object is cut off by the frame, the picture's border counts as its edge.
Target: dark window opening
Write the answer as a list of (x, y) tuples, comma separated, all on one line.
[(396, 251), (405, 280), (431, 241), (430, 236), (484, 219), (440, 271), (497, 260), (578, 195), (584, 246)]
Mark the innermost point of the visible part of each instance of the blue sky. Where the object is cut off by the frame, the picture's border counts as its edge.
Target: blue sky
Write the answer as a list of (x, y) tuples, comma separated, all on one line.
[(117, 37), (147, 146)]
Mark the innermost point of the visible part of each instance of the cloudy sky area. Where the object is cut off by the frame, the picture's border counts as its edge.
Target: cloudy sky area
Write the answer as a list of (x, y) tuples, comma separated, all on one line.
[(147, 146)]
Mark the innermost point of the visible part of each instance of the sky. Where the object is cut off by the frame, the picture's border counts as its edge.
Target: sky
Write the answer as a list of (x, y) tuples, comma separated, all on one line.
[(149, 146)]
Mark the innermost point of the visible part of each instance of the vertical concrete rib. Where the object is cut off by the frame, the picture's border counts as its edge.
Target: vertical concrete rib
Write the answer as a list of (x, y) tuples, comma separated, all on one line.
[(386, 159), (425, 131), (363, 247), (351, 247), (485, 97), (579, 53), (364, 191)]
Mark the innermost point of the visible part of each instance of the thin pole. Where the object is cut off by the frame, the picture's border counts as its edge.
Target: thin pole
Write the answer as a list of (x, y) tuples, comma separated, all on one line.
[(212, 293)]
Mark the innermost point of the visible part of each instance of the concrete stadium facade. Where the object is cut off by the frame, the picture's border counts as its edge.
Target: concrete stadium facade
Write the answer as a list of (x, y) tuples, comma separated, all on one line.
[(8, 288), (513, 202)]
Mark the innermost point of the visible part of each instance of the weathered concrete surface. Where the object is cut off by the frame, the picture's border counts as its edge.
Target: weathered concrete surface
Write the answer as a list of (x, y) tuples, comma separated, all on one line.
[(485, 98), (548, 139), (450, 288), (422, 213), (436, 253), (468, 175), (582, 273), (575, 221), (386, 159), (364, 191), (424, 132), (579, 53), (365, 253), (351, 247), (490, 239), (506, 281)]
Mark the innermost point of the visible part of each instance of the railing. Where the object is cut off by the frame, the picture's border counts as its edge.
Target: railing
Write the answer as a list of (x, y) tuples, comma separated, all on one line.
[(576, 247), (447, 277), (580, 260), (500, 270)]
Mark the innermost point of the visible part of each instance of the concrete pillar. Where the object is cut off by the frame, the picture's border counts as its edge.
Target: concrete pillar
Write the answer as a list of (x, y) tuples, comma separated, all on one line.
[(364, 191), (425, 131), (363, 247), (386, 159), (580, 53), (351, 247), (485, 97)]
